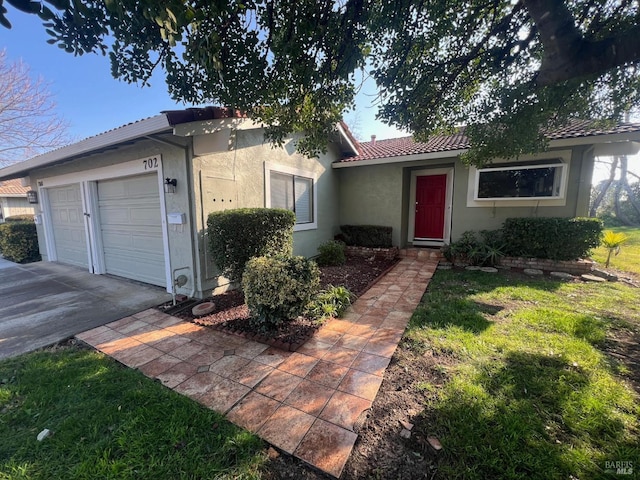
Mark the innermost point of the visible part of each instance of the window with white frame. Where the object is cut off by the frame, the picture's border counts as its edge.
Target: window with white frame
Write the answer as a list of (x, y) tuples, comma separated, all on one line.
[(293, 190), (537, 181)]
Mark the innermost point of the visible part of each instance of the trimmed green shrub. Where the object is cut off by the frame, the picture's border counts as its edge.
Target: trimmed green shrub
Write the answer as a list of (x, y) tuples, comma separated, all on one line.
[(20, 218), (19, 242), (552, 238), (237, 235), (331, 253), (331, 302), (367, 235), (278, 289)]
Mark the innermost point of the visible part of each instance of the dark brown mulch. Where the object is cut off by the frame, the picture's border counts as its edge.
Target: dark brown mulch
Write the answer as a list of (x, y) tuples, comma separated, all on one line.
[(232, 315), (357, 274)]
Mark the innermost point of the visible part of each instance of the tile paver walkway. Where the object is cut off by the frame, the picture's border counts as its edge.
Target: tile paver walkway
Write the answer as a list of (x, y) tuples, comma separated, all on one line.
[(305, 403)]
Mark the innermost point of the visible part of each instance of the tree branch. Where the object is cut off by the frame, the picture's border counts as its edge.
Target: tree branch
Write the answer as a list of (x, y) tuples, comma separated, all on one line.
[(567, 54)]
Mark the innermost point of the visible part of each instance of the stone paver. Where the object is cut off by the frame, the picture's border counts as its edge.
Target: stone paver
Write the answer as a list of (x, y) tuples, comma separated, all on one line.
[(305, 403)]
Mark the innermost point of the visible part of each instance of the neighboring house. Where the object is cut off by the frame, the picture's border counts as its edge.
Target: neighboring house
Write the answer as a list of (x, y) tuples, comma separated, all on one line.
[(134, 201), (13, 199)]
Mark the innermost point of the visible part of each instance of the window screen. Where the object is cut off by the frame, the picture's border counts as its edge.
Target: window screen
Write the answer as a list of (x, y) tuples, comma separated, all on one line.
[(294, 193)]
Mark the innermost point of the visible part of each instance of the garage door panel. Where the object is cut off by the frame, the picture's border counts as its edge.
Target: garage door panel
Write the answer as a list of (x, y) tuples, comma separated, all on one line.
[(127, 188), (126, 218), (139, 242), (149, 271), (131, 226), (146, 216), (68, 225), (114, 216)]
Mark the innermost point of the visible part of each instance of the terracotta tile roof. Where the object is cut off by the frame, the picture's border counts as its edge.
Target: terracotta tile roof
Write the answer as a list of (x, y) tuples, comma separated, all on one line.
[(397, 147), (585, 128), (13, 188)]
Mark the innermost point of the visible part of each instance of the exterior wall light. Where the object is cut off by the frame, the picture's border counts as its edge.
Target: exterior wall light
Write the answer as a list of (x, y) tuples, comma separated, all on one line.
[(32, 196), (170, 185)]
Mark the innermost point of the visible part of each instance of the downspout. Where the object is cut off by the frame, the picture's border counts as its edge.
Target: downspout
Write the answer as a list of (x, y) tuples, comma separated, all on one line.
[(175, 281)]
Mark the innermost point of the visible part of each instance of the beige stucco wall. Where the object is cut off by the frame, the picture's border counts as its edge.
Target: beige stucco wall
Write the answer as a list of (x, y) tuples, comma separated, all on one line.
[(233, 176), (379, 195)]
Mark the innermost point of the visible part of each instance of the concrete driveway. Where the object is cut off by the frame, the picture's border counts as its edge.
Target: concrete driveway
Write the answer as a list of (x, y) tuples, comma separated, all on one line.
[(43, 303)]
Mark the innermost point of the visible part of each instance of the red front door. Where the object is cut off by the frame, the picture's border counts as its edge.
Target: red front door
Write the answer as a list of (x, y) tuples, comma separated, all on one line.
[(430, 206)]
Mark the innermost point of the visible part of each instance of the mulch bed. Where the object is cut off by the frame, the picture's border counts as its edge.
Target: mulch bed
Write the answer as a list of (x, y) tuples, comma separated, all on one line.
[(231, 315)]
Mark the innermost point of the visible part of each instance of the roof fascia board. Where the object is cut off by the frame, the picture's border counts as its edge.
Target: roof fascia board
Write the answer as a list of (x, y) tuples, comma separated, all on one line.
[(13, 195), (346, 138), (132, 131), (595, 139), (401, 159), (205, 127)]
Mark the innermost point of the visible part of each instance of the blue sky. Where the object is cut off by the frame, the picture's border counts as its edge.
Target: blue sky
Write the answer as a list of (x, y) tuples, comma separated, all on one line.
[(92, 101)]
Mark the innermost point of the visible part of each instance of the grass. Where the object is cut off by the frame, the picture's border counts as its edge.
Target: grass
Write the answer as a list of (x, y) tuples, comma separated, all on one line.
[(629, 258), (110, 422), (529, 395)]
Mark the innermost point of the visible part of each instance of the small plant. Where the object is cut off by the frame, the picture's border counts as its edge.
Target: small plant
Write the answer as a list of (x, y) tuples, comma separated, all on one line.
[(464, 251), (492, 254), (278, 289), (331, 302), (331, 254), (471, 251), (612, 241)]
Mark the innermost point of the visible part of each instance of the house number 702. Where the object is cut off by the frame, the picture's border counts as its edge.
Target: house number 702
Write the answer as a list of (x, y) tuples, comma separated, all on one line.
[(150, 163)]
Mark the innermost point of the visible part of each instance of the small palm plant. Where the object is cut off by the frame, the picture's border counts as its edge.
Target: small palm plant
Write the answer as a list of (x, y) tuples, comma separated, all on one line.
[(612, 241)]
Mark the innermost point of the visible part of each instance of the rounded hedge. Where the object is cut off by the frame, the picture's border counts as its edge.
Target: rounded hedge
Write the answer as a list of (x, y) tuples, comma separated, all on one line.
[(278, 289)]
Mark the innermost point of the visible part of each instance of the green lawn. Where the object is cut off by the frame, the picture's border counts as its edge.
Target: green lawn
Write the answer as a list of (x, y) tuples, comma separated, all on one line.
[(110, 422), (629, 258), (528, 393)]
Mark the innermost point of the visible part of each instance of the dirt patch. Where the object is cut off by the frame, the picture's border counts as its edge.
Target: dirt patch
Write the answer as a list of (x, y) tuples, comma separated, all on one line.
[(232, 315), (624, 347)]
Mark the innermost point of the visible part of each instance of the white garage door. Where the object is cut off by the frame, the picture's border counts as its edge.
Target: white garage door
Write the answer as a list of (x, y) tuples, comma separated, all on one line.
[(131, 227), (68, 225)]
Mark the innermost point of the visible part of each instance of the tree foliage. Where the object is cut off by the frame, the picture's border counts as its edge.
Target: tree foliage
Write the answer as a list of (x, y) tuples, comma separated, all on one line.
[(617, 199), (29, 124), (507, 69)]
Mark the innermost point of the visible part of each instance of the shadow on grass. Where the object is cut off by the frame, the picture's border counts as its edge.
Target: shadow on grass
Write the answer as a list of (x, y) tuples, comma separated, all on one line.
[(530, 417), (110, 422), (449, 299)]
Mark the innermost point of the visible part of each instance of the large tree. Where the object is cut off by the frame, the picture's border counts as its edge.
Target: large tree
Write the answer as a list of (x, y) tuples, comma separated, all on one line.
[(29, 124), (617, 198), (507, 69)]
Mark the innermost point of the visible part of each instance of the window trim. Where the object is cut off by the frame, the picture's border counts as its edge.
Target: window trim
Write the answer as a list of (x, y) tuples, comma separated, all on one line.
[(286, 170), (560, 159)]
